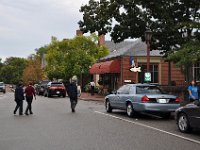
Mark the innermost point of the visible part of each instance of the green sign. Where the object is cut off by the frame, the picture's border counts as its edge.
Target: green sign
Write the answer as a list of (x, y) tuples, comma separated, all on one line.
[(147, 76)]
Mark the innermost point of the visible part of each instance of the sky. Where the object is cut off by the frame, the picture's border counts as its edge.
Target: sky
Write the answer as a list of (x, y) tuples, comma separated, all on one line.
[(29, 24)]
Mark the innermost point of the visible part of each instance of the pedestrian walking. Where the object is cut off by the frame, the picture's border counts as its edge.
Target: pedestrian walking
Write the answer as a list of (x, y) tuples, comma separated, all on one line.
[(73, 94), (92, 85), (19, 97), (30, 92), (193, 90)]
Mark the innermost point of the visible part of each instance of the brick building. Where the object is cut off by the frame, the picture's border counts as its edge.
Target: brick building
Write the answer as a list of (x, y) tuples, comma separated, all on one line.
[(114, 69)]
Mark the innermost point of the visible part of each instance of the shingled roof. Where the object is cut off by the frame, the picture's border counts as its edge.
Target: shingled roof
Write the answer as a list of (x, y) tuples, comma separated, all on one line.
[(128, 48)]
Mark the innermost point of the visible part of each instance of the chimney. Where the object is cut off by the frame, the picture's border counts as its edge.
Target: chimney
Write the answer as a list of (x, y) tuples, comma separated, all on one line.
[(101, 41), (79, 33)]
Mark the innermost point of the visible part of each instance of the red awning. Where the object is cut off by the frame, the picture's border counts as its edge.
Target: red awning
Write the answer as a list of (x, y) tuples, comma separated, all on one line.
[(112, 66)]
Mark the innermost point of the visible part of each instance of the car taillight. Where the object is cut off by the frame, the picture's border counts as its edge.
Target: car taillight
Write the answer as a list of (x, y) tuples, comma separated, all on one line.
[(177, 100), (52, 88), (145, 99)]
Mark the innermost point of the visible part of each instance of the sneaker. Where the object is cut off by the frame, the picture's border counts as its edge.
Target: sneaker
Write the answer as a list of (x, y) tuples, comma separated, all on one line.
[(26, 114)]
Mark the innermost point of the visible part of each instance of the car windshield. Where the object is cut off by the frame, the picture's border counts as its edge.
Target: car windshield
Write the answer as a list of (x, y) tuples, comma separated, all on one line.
[(56, 84), (148, 90)]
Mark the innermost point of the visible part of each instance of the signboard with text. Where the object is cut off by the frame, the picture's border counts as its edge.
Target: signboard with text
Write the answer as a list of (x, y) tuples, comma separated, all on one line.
[(147, 76)]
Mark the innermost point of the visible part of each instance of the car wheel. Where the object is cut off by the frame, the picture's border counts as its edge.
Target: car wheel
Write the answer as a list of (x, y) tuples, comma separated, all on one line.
[(64, 95), (108, 107), (130, 110), (4, 92), (183, 123)]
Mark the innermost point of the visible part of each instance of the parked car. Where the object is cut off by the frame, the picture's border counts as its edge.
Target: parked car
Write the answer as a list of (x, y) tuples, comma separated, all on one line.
[(2, 87), (142, 98), (41, 87), (55, 88), (188, 117)]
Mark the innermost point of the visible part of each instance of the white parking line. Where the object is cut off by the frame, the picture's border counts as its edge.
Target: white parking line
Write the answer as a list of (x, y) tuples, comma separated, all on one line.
[(146, 126)]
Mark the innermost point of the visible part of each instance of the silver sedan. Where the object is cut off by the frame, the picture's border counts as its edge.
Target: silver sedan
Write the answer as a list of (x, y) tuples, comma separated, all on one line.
[(142, 98)]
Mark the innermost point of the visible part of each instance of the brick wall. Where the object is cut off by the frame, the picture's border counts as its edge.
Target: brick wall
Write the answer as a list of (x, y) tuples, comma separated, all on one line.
[(126, 73), (176, 74)]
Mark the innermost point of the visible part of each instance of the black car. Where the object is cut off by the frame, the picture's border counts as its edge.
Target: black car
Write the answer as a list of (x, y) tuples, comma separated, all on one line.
[(41, 87), (55, 88), (188, 117)]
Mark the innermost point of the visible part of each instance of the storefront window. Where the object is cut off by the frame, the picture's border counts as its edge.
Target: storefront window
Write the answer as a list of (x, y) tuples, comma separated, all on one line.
[(154, 73)]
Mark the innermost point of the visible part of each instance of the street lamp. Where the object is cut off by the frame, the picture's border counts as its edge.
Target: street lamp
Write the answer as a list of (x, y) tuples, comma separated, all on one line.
[(148, 35)]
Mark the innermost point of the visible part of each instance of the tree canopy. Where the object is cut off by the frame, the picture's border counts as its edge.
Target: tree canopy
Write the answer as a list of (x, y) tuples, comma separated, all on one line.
[(12, 70), (72, 57), (185, 57), (33, 70), (173, 22)]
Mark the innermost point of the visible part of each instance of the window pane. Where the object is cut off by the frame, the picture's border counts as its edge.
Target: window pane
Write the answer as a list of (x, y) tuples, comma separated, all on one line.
[(148, 90)]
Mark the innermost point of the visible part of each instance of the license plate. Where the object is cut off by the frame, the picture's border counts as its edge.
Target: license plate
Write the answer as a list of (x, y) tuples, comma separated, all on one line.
[(58, 92), (162, 101)]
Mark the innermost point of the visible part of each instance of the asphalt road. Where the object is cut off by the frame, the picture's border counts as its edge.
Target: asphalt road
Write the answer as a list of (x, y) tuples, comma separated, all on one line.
[(54, 127)]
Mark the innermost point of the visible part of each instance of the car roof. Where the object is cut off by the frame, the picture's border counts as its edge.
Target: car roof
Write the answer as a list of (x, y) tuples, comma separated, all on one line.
[(139, 84)]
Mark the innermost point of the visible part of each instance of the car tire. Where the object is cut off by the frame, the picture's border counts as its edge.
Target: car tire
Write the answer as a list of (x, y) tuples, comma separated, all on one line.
[(183, 123), (4, 92), (108, 107), (130, 110), (64, 95)]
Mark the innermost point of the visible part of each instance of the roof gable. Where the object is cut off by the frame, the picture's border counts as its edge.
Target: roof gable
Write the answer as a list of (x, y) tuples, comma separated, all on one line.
[(129, 48)]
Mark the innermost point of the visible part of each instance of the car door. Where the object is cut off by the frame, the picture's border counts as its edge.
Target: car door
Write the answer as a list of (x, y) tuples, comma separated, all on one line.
[(116, 97), (194, 113), (121, 101)]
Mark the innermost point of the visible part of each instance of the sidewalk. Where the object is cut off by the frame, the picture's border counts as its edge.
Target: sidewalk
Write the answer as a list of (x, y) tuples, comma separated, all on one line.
[(89, 97)]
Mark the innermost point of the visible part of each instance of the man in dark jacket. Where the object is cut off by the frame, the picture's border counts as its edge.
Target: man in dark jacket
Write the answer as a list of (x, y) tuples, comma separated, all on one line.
[(19, 97), (30, 92), (73, 94)]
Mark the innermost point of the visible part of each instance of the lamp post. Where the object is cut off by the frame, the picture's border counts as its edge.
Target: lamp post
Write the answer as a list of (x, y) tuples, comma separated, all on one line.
[(148, 35)]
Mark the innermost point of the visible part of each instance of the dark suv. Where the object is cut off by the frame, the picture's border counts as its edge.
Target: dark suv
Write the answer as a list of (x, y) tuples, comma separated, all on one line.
[(41, 87), (2, 87), (55, 88)]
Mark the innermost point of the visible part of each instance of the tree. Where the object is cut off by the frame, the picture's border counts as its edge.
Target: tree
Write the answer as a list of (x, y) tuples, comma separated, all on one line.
[(72, 57), (173, 22), (184, 58), (1, 65), (96, 17), (33, 70), (12, 70)]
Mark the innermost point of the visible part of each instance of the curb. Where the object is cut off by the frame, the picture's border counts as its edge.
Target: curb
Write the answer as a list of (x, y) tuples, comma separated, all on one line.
[(86, 99)]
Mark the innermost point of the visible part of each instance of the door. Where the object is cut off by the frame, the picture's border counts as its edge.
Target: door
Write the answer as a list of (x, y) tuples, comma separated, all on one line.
[(194, 114), (123, 96)]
